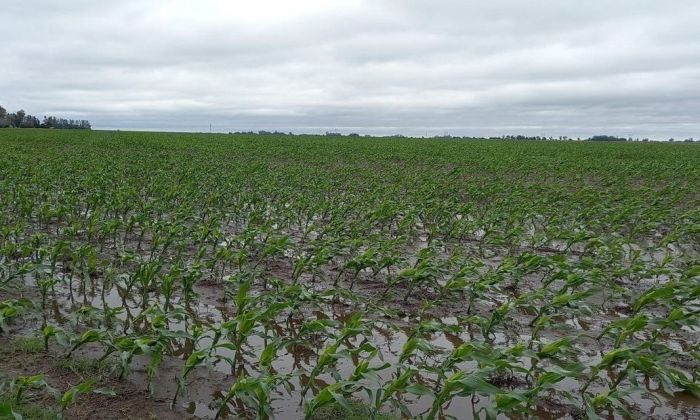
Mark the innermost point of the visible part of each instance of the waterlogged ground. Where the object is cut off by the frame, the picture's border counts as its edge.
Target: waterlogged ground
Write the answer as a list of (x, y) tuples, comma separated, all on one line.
[(285, 276)]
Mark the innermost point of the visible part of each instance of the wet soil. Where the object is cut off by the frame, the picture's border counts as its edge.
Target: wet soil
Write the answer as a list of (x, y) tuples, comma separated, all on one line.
[(389, 333), (129, 403)]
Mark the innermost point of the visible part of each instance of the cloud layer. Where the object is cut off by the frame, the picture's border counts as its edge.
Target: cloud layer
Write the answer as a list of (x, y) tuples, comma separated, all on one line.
[(565, 67)]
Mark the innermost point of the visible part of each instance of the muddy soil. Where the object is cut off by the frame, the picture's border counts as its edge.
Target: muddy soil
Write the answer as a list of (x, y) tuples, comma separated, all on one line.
[(130, 402), (390, 332)]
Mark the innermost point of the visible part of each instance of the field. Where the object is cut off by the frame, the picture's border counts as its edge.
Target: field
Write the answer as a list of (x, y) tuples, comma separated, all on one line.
[(207, 275)]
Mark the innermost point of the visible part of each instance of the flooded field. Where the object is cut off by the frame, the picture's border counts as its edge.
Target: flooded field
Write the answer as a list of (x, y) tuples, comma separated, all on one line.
[(292, 277)]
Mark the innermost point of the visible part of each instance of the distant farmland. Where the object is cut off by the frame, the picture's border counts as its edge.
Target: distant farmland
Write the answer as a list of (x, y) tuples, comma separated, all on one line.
[(306, 276)]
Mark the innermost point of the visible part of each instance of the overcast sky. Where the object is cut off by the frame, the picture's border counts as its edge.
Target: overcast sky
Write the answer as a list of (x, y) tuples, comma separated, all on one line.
[(564, 67)]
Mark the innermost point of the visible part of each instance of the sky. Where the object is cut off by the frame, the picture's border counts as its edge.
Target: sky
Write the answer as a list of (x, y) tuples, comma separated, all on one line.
[(481, 68)]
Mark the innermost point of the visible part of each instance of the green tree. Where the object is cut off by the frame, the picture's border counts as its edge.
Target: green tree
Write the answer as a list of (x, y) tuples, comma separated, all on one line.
[(17, 118)]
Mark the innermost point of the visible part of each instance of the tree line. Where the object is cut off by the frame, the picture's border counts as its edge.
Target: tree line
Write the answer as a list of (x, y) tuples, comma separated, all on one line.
[(21, 119)]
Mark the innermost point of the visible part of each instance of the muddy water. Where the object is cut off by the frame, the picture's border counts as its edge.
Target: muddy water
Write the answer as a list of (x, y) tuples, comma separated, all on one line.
[(210, 383)]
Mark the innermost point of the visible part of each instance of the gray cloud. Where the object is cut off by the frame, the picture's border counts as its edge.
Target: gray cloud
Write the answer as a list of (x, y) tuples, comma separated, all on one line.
[(416, 67)]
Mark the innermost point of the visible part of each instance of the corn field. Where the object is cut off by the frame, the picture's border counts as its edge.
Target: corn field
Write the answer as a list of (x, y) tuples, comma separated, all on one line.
[(236, 276)]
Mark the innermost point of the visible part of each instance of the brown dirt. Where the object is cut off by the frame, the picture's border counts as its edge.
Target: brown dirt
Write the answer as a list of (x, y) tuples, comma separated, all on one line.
[(129, 403)]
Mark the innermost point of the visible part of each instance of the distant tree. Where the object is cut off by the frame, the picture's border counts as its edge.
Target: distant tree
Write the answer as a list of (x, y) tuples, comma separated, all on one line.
[(607, 138), (49, 122), (29, 121), (21, 119), (17, 118), (4, 122)]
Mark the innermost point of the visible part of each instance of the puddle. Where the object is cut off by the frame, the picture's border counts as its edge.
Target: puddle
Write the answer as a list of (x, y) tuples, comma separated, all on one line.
[(211, 381)]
